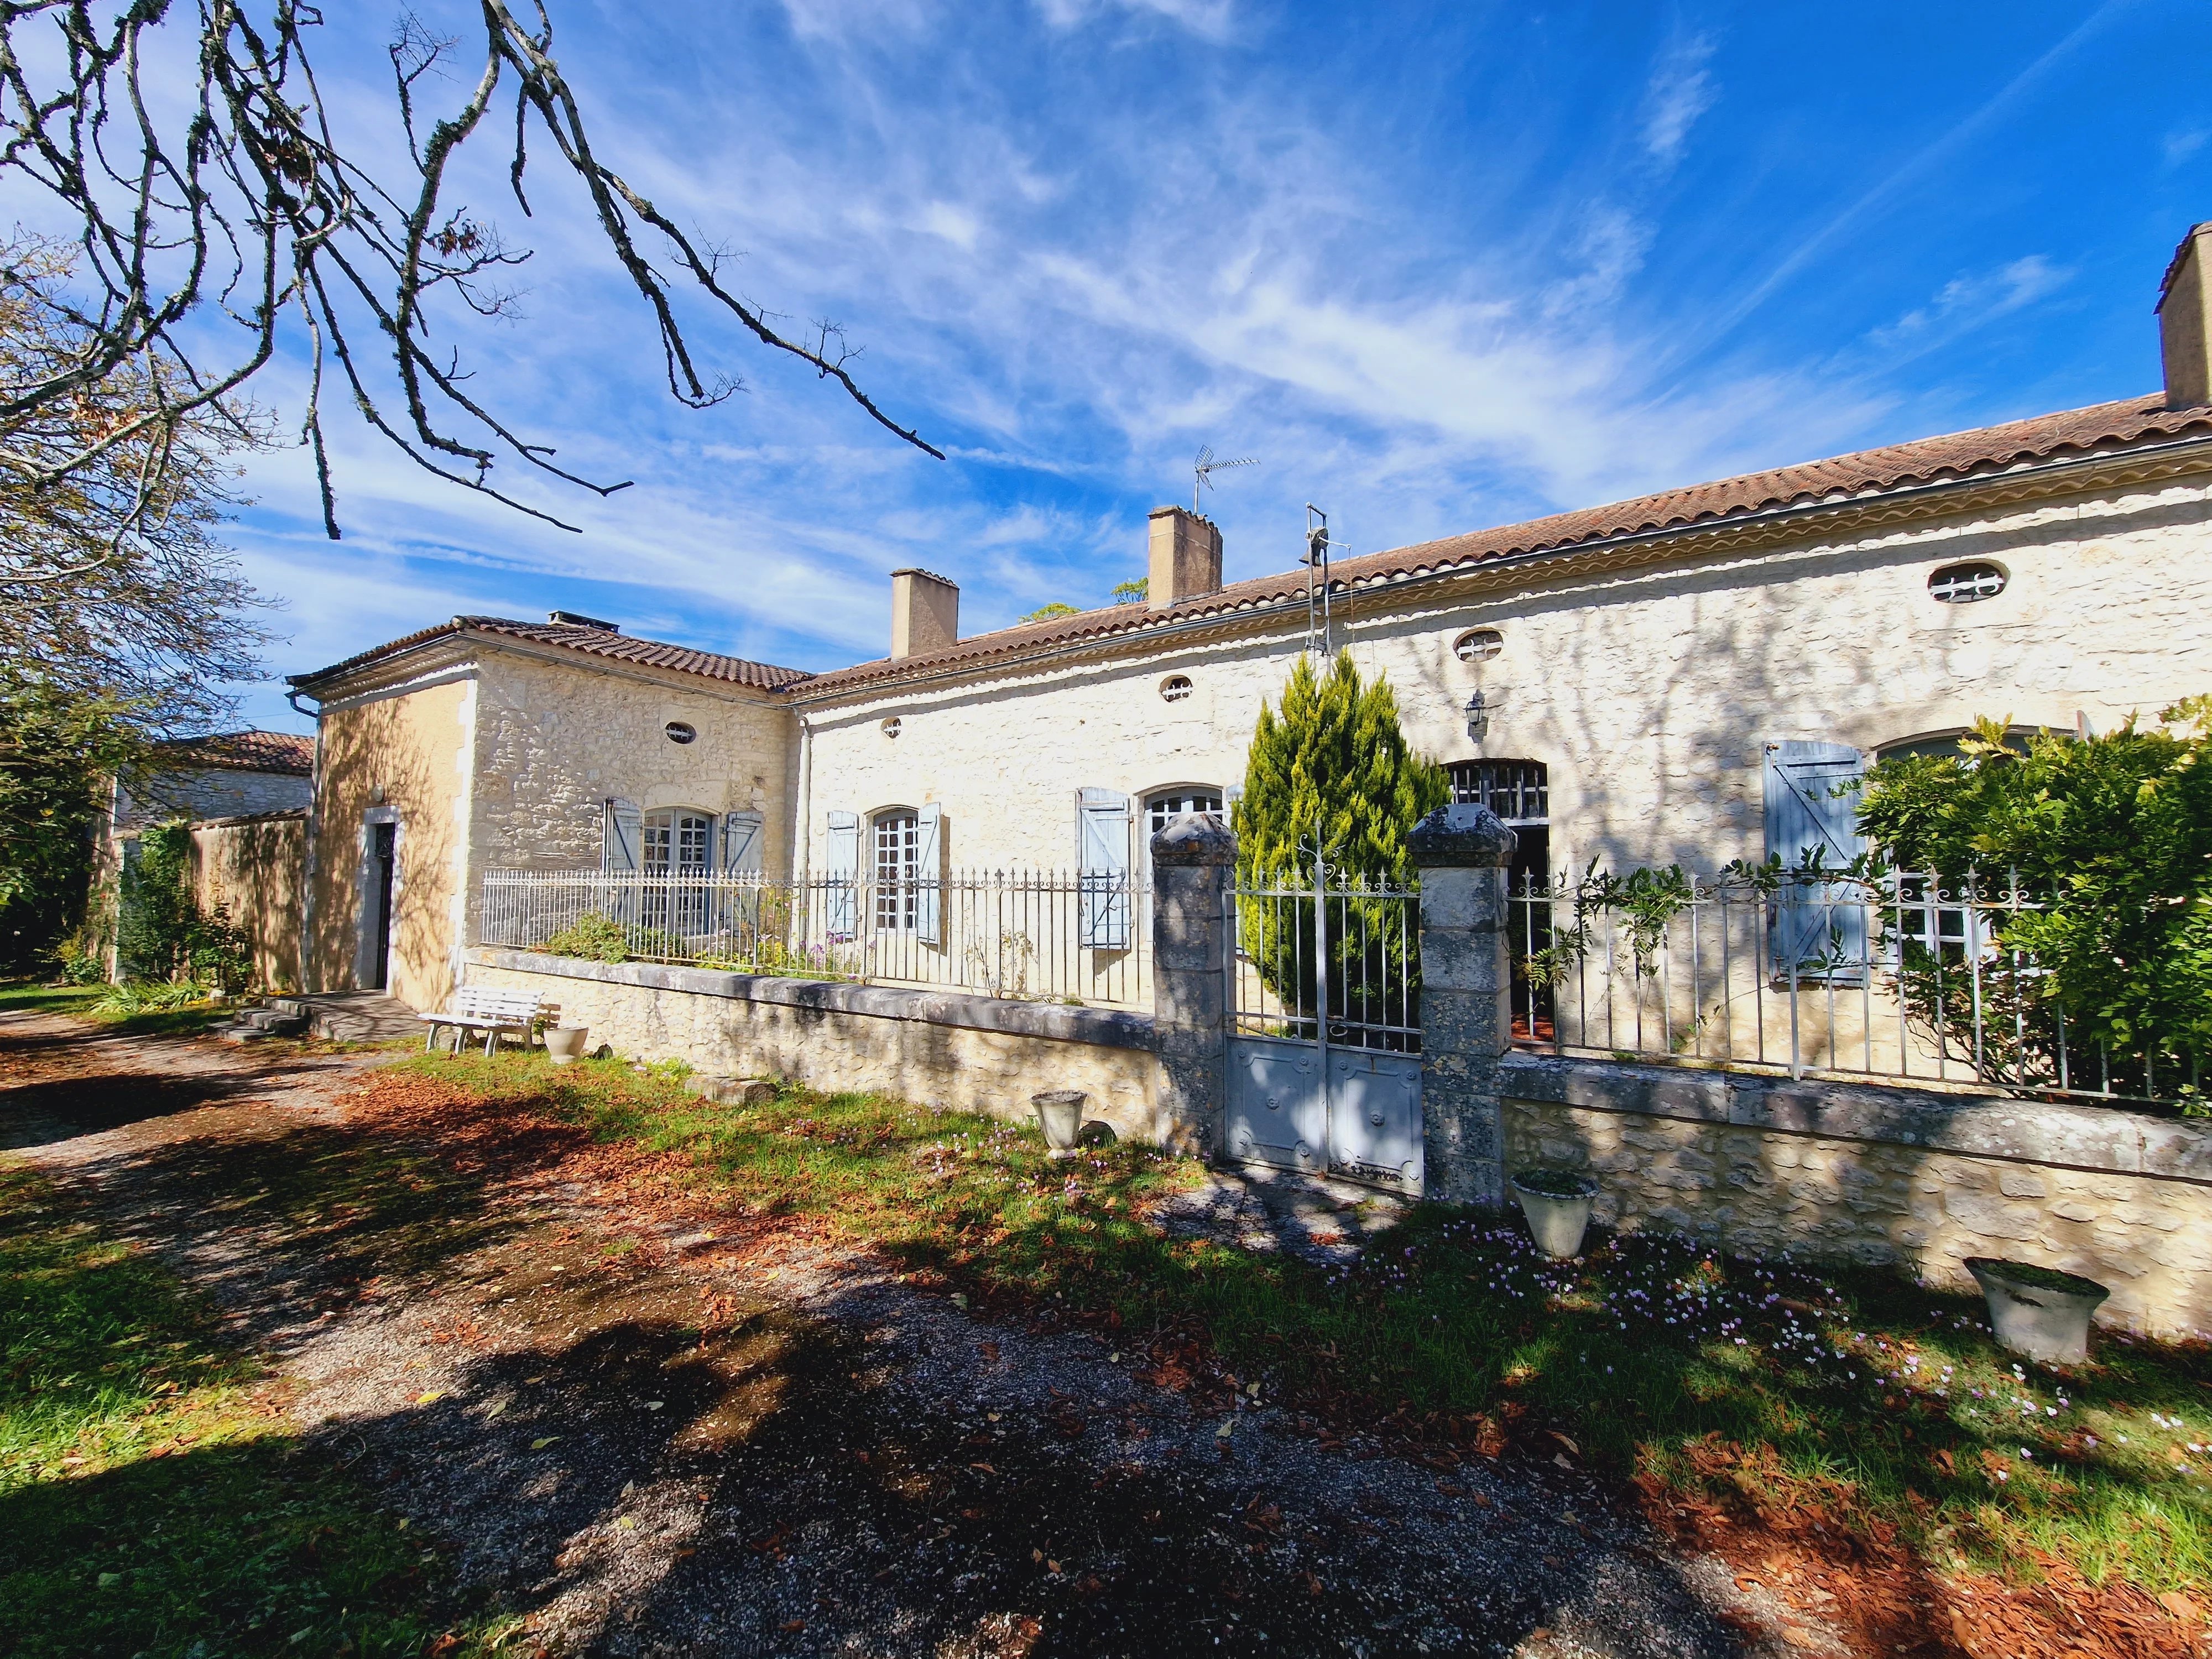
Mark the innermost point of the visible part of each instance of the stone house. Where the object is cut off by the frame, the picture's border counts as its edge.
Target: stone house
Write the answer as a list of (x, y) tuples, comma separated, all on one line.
[(246, 794), (1651, 681)]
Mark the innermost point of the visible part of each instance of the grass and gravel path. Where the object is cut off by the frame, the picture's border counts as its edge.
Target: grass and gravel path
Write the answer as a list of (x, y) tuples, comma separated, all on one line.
[(496, 1358)]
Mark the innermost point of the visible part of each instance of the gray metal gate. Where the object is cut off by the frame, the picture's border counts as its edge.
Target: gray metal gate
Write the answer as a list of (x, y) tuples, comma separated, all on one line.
[(1325, 1045)]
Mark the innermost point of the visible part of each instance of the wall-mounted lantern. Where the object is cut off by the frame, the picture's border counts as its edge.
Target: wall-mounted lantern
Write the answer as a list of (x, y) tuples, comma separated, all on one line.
[(1477, 715)]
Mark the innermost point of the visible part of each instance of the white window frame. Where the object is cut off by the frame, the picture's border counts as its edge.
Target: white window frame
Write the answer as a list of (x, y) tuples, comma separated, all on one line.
[(894, 865), (664, 830)]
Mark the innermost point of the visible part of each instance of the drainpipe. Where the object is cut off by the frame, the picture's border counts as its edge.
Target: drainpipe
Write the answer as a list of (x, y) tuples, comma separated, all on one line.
[(801, 842)]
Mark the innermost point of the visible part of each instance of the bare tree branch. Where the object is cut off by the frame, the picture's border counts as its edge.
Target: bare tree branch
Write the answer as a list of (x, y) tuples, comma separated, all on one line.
[(247, 208)]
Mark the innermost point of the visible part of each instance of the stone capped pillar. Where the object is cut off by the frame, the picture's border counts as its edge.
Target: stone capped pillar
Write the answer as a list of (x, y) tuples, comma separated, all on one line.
[(1467, 1003), (1193, 860)]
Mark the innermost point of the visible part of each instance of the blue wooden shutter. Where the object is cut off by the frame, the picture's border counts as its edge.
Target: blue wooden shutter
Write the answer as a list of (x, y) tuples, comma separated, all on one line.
[(620, 837), (741, 843), (928, 875), (1812, 807), (840, 898), (1102, 831)]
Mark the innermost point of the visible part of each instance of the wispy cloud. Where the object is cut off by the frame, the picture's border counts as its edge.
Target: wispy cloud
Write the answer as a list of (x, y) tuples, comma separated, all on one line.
[(1681, 90), (1208, 19), (1070, 268), (1969, 301)]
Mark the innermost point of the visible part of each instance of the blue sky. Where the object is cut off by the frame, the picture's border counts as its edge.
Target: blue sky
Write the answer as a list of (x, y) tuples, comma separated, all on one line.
[(1437, 267)]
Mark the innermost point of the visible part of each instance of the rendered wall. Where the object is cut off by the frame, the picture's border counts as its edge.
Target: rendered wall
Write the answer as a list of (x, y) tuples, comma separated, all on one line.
[(406, 756), (917, 1046), (1875, 1174), (256, 869), (1649, 695)]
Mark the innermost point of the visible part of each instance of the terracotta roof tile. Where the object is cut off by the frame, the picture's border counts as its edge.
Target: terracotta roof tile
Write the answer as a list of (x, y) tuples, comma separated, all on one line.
[(592, 641), (291, 754), (1925, 461)]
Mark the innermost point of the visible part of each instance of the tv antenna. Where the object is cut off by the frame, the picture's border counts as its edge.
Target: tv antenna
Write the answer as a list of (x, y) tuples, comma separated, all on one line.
[(1206, 466), (1318, 582)]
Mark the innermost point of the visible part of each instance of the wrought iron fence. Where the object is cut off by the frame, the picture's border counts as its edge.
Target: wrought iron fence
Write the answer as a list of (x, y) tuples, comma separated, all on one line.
[(1328, 959), (1037, 936), (1897, 974)]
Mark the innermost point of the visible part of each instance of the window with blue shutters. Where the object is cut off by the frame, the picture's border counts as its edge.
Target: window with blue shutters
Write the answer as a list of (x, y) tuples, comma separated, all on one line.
[(1818, 929), (741, 844)]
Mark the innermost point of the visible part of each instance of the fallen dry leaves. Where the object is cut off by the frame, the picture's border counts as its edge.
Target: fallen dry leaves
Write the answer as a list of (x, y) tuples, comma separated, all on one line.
[(1811, 1544)]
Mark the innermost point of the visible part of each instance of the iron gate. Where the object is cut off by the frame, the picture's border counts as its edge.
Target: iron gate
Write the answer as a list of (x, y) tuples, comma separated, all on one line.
[(1325, 1044)]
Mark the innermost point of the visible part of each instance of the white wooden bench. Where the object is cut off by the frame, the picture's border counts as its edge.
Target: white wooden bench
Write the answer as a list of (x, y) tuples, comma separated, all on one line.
[(492, 1010)]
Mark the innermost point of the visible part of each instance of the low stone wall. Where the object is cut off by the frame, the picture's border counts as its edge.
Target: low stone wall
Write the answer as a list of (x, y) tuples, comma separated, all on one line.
[(978, 1054), (1882, 1175)]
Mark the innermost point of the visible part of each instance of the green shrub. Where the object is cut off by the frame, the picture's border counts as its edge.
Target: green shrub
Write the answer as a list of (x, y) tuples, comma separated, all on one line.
[(592, 936), (1332, 771), (2111, 836), (161, 934)]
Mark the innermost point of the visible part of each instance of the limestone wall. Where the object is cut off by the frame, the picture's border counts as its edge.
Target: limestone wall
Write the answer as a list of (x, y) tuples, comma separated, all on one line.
[(556, 740), (256, 869), (204, 791), (1880, 1174), (1649, 694), (973, 1053)]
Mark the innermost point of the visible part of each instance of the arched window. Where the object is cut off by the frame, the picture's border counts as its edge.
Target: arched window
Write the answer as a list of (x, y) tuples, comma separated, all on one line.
[(679, 840), (1164, 808), (898, 834)]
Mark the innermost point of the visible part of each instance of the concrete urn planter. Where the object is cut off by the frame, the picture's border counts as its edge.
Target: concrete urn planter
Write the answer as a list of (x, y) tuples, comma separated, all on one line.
[(564, 1045), (1060, 1115), (2039, 1312), (1558, 1204)]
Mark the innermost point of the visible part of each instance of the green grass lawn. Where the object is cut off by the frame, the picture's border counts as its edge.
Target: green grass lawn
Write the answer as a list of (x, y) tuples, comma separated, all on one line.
[(1845, 1397), (120, 1010), (154, 1498)]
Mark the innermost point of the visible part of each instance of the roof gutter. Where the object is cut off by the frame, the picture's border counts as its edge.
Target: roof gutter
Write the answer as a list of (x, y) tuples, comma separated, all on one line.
[(1259, 609)]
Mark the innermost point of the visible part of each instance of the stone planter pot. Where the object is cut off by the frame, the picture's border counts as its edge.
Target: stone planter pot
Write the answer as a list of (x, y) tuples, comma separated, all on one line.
[(1558, 1204), (564, 1045), (1060, 1115), (2039, 1312)]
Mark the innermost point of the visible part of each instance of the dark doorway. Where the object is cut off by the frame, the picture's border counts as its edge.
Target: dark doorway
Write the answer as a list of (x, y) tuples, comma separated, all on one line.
[(386, 844), (1520, 793)]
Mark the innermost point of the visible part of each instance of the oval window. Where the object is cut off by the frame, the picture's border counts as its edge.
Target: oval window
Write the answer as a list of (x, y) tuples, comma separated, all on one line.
[(1176, 687), (681, 732), (1963, 584), (1478, 645), (891, 726)]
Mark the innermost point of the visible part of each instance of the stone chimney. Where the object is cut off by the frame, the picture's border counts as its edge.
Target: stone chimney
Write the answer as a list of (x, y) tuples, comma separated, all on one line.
[(925, 613), (2185, 321), (1186, 558)]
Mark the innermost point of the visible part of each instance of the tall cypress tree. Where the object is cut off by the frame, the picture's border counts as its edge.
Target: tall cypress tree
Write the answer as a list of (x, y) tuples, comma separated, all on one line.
[(1332, 771)]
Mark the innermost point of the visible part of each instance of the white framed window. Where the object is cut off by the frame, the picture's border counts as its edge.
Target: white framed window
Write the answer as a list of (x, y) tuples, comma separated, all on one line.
[(897, 866), (1164, 808), (677, 840)]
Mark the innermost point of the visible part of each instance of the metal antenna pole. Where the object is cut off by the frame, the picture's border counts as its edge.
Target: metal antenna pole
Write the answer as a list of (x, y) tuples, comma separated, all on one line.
[(1317, 546)]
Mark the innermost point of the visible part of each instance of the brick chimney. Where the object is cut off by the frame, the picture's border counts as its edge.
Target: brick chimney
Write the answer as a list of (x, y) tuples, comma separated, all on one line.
[(925, 613), (1186, 558), (2185, 321)]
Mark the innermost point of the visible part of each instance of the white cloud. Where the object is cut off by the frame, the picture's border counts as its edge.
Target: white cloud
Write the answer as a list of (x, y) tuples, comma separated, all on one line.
[(2180, 145), (1967, 302), (1681, 90), (1208, 19)]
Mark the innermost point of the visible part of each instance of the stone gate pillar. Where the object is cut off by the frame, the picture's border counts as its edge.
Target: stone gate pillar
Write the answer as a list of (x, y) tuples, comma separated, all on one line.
[(1467, 1007), (1193, 862)]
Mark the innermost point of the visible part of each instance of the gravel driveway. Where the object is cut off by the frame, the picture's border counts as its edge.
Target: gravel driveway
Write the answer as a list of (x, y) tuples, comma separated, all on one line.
[(663, 1430)]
